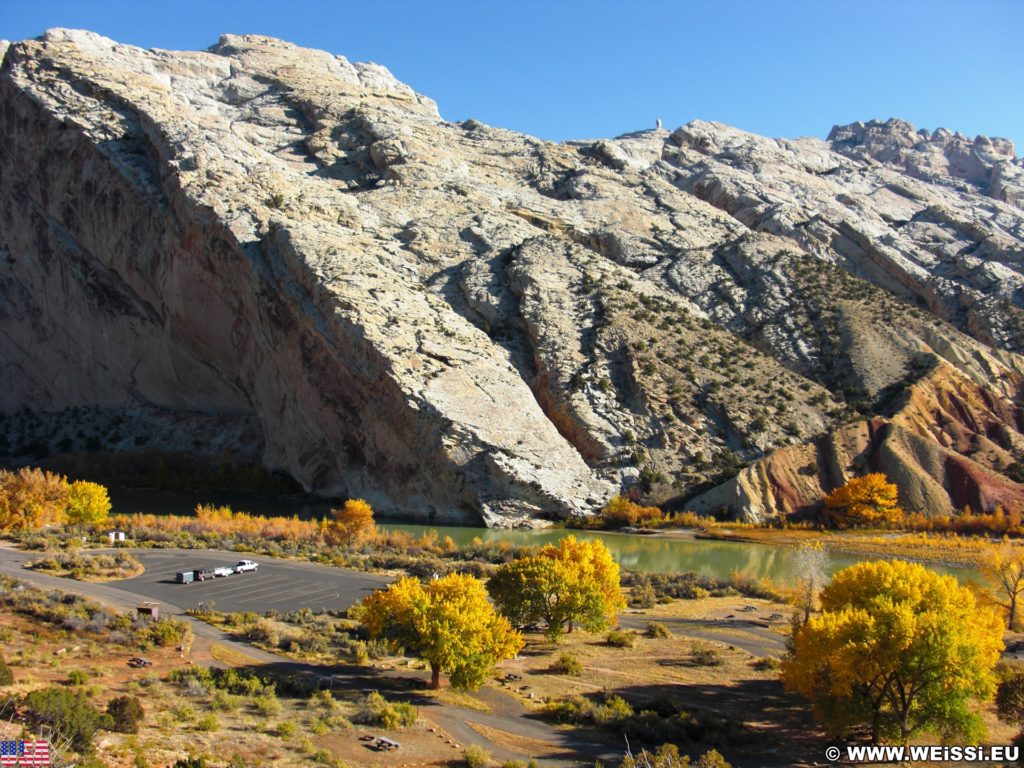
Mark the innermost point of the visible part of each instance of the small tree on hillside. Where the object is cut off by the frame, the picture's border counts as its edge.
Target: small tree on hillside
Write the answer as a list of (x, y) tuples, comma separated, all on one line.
[(869, 501), (6, 675), (448, 622), (352, 524), (126, 713)]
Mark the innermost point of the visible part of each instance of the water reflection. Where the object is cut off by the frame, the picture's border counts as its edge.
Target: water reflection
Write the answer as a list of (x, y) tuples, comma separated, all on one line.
[(641, 553), (652, 554)]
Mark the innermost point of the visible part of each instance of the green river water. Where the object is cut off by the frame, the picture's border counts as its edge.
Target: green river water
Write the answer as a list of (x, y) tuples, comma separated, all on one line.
[(652, 554)]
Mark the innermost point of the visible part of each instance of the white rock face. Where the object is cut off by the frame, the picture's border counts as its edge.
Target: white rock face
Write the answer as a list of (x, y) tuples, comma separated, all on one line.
[(458, 322)]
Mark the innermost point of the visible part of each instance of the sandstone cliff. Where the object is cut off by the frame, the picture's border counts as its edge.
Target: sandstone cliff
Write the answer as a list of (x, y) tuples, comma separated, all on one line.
[(264, 250)]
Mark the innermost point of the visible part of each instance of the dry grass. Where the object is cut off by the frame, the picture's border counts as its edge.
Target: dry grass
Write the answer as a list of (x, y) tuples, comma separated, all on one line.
[(229, 657)]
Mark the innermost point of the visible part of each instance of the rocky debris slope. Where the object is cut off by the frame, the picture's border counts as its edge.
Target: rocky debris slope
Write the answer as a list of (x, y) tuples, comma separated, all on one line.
[(463, 323)]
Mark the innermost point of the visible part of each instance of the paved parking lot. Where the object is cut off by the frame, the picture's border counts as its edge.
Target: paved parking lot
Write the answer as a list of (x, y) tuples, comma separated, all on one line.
[(278, 585)]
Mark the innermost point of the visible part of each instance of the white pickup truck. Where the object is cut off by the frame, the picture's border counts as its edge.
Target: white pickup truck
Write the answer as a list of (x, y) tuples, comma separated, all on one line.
[(246, 565)]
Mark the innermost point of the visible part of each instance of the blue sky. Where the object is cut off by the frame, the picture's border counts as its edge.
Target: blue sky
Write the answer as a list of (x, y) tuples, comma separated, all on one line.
[(569, 69)]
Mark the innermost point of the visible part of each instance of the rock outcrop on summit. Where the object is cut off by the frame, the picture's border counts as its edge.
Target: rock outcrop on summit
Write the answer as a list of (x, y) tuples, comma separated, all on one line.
[(264, 251)]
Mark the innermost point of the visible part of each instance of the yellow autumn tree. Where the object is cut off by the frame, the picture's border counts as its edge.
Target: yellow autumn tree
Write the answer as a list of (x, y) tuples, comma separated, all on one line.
[(1004, 566), (31, 499), (870, 501), (898, 648), (572, 583), (87, 503), (448, 622), (352, 524), (620, 512)]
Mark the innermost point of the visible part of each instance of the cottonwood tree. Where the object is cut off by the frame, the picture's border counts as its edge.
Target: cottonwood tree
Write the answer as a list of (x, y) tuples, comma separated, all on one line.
[(898, 648), (1004, 565), (811, 569), (449, 622), (87, 503), (564, 585), (352, 524), (31, 499), (869, 501)]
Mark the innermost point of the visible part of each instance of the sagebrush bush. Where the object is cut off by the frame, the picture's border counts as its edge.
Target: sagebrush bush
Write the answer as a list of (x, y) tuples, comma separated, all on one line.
[(767, 664), (376, 710), (568, 664), (619, 638), (705, 656), (267, 704), (286, 729), (476, 756), (657, 629), (208, 723), (223, 701)]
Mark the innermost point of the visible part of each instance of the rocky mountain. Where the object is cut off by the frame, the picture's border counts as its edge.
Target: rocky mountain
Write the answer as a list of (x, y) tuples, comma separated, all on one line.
[(265, 251)]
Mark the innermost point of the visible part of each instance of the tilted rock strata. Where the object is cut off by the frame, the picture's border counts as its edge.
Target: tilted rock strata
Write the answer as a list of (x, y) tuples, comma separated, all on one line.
[(945, 448), (459, 322)]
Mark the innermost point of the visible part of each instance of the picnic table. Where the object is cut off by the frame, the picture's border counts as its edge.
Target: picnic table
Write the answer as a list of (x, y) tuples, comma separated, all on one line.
[(382, 743)]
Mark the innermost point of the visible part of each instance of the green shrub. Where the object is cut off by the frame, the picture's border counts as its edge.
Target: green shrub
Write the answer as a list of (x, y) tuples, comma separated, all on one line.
[(376, 710), (568, 664), (286, 729), (579, 710), (360, 654), (208, 723), (767, 664), (619, 638), (324, 699), (164, 633), (65, 711), (78, 677), (267, 704), (476, 756), (6, 675), (126, 713), (223, 701), (657, 629)]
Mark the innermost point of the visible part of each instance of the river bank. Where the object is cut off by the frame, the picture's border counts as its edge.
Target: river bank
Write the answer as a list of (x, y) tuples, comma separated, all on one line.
[(717, 550)]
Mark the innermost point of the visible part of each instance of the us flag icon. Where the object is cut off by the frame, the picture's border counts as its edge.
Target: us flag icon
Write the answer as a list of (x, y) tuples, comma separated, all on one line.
[(18, 753)]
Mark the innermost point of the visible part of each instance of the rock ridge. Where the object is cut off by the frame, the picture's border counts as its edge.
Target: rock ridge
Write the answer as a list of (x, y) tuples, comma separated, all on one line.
[(462, 323)]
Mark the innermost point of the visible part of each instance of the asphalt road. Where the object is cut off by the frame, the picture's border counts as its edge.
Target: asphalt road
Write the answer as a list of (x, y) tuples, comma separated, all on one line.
[(278, 585)]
